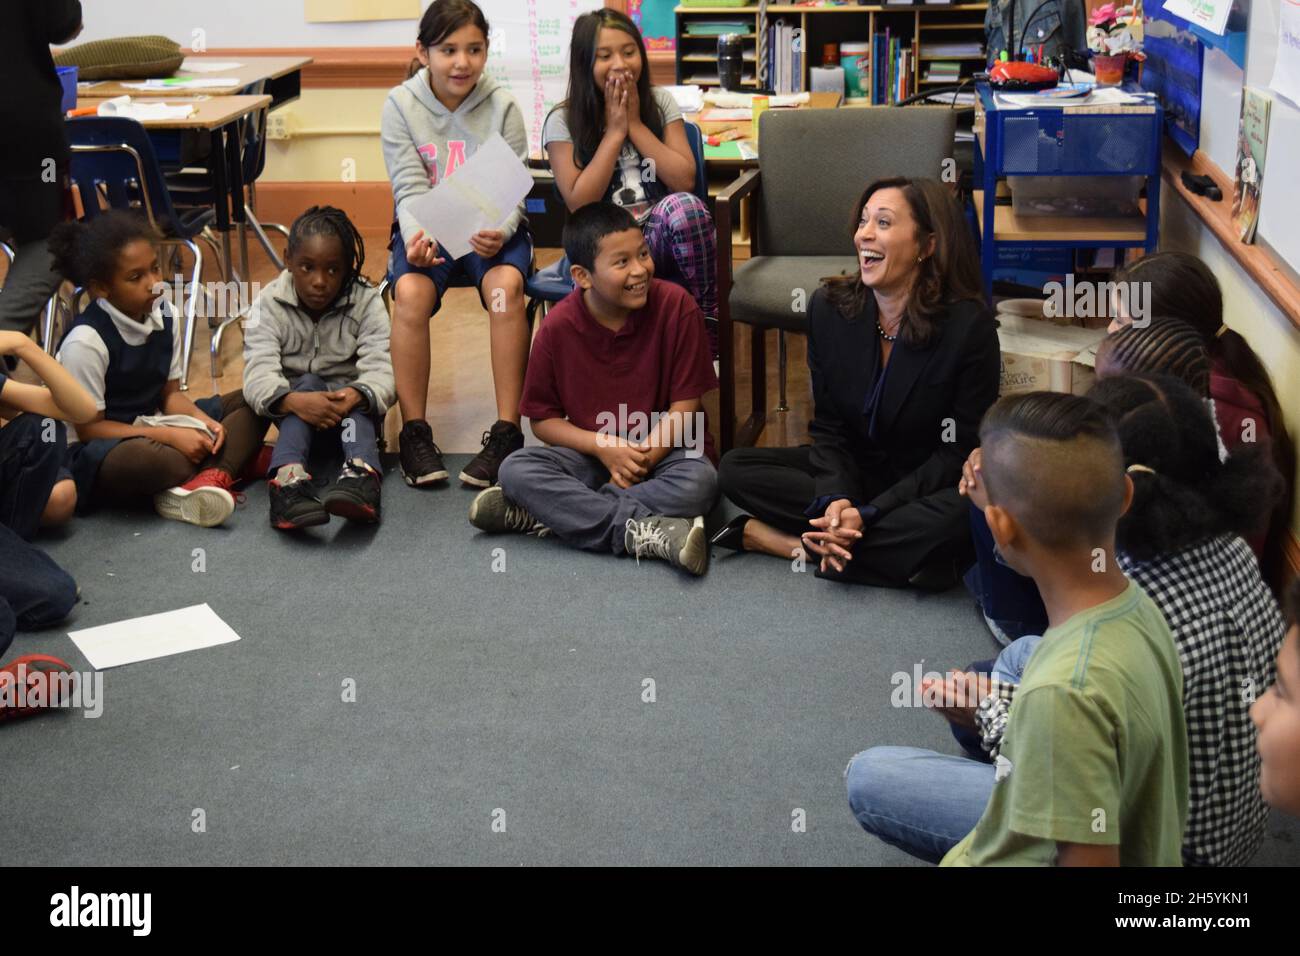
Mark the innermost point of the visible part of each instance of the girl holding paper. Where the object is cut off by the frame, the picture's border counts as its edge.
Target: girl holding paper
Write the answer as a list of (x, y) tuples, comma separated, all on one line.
[(431, 125), (616, 138)]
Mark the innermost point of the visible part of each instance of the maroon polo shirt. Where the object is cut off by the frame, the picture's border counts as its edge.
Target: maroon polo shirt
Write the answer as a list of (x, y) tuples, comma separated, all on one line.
[(582, 371)]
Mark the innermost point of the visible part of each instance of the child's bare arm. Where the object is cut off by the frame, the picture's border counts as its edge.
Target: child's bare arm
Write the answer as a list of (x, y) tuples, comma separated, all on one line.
[(61, 396)]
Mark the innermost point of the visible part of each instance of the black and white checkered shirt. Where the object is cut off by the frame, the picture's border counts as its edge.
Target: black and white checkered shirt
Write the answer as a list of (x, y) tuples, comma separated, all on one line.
[(1227, 628)]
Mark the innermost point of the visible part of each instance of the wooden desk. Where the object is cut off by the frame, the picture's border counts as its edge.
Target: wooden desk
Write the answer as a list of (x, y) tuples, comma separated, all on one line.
[(816, 101), (281, 76), (220, 117), (210, 112)]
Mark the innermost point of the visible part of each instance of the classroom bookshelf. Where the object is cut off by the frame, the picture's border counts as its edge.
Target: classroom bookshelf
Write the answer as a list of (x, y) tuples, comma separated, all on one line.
[(944, 42)]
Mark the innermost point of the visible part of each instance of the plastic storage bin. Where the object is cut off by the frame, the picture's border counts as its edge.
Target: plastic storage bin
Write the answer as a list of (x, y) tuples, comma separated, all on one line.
[(1075, 195)]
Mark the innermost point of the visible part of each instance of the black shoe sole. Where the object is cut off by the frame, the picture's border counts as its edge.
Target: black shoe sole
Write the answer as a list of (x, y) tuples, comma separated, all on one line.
[(353, 509), (421, 481), (306, 521)]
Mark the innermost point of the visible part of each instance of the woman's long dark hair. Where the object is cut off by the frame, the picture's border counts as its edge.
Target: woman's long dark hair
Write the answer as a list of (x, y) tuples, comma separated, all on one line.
[(951, 274), (1182, 493), (441, 20), (585, 102)]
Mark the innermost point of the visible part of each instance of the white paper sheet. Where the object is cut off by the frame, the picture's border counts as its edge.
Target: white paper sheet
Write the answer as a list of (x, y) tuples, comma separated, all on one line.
[(481, 194), (1286, 68), (1211, 15), (155, 635), (193, 64), (144, 109)]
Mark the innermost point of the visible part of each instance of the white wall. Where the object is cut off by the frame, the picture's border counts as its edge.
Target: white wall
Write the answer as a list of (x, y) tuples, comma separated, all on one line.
[(225, 23)]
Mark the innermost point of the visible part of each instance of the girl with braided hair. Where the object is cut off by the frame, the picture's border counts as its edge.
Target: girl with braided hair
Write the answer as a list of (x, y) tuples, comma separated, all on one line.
[(316, 360)]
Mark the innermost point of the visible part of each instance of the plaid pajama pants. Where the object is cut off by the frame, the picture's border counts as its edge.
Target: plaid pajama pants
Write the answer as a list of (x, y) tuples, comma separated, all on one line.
[(683, 244)]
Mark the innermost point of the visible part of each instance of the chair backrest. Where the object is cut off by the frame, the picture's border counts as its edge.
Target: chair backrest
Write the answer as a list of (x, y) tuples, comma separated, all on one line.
[(113, 156), (815, 164), (696, 138), (253, 136)]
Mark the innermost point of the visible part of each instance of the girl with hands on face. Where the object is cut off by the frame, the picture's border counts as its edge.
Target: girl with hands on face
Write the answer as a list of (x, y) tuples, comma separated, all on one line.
[(618, 139)]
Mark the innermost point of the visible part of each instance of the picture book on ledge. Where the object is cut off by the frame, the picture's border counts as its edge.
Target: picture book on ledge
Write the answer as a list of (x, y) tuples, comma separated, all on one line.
[(1248, 177)]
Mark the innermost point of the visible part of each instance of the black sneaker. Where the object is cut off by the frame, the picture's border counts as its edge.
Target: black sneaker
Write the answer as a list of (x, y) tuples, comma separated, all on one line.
[(679, 541), (355, 495), (295, 505), (421, 458), (503, 439)]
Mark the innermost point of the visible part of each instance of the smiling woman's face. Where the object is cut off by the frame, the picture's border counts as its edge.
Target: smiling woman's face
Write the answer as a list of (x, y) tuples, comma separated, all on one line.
[(886, 241)]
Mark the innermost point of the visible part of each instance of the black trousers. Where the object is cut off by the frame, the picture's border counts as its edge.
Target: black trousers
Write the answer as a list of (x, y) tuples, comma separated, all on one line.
[(776, 485)]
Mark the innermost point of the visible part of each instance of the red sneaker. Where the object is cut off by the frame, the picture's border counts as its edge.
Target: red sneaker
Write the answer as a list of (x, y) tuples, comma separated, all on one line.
[(31, 677), (257, 466), (205, 500)]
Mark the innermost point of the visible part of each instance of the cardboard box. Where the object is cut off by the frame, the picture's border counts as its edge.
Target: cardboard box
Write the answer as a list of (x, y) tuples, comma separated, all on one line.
[(1038, 355)]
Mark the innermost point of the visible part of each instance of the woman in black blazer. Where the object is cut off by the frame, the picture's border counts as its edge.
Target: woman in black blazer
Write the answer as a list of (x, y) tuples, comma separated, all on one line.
[(904, 363)]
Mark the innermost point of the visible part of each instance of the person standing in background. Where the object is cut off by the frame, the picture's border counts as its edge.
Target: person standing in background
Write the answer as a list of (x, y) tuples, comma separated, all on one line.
[(34, 152)]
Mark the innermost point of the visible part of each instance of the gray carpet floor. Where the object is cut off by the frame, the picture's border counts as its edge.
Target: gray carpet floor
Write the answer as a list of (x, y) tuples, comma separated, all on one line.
[(482, 697)]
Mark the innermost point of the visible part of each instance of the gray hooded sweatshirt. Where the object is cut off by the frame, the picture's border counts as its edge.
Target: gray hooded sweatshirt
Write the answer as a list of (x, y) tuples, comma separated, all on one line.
[(348, 345), (424, 143)]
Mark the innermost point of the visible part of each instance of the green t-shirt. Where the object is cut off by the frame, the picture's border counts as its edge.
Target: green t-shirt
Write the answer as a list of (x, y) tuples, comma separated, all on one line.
[(1095, 748)]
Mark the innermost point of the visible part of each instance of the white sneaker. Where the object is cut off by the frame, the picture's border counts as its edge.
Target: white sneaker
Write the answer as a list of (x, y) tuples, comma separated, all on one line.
[(206, 507)]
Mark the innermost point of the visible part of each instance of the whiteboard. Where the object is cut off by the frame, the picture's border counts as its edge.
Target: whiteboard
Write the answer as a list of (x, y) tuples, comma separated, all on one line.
[(1280, 207), (1221, 84)]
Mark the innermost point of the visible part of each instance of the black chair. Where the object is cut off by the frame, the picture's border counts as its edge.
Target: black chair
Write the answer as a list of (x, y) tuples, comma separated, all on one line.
[(192, 187)]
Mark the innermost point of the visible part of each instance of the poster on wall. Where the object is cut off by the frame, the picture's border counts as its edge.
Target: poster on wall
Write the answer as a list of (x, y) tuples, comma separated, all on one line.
[(1210, 15), (346, 11), (657, 23), (1172, 71), (529, 53), (1248, 178), (1286, 69)]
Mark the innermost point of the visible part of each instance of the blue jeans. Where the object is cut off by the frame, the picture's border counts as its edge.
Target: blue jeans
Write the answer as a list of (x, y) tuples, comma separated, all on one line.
[(920, 801), (571, 494), (34, 591), (1006, 596), (357, 434)]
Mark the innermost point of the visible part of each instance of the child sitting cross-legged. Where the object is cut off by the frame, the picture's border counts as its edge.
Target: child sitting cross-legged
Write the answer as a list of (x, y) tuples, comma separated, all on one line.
[(149, 439), (622, 350), (1093, 766), (316, 360)]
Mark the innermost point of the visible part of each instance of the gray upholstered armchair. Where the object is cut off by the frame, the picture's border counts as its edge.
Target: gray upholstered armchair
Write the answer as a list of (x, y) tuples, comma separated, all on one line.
[(813, 166)]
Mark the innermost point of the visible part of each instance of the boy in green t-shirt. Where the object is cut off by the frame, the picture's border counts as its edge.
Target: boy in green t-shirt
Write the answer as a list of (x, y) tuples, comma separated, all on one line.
[(1093, 766)]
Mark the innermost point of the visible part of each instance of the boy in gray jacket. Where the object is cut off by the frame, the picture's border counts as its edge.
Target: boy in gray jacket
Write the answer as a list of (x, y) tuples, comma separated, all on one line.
[(316, 360)]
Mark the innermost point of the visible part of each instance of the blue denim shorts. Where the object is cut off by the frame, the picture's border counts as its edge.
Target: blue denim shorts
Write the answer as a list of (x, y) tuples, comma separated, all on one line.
[(518, 252)]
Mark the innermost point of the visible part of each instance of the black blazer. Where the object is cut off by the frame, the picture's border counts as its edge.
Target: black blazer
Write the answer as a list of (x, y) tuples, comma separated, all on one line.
[(931, 394)]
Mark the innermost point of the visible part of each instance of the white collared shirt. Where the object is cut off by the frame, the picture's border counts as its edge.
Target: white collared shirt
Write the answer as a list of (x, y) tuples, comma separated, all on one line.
[(85, 355)]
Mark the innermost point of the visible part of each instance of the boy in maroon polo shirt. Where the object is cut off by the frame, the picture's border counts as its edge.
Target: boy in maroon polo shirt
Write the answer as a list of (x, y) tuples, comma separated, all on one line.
[(613, 387)]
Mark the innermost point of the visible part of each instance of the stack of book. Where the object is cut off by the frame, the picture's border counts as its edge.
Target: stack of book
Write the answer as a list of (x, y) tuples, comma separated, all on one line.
[(944, 71), (893, 62), (785, 58)]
